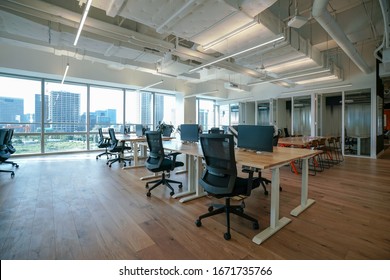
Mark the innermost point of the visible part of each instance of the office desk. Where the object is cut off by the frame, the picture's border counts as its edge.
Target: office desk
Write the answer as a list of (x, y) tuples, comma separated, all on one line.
[(194, 155), (302, 142), (273, 161)]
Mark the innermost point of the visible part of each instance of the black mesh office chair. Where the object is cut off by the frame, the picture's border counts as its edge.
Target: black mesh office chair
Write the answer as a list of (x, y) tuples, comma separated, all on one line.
[(10, 147), (220, 178), (117, 147), (104, 143), (4, 152), (158, 161)]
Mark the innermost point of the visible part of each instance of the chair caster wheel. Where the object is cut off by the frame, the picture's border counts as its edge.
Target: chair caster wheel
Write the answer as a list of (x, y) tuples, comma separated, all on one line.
[(265, 192), (147, 186), (17, 165), (255, 225), (12, 174), (148, 194), (198, 223), (124, 165), (172, 193), (180, 186), (106, 163), (227, 236), (211, 208), (96, 157)]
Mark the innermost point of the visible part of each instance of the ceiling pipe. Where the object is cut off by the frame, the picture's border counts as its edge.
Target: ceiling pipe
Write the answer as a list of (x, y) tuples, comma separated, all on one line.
[(324, 18)]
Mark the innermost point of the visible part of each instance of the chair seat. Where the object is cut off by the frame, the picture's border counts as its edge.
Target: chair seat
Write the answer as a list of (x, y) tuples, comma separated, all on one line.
[(167, 165), (240, 187)]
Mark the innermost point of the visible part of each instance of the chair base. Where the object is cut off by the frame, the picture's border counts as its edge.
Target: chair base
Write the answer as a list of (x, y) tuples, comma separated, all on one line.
[(163, 181), (105, 153), (118, 159), (8, 171), (11, 162), (228, 209)]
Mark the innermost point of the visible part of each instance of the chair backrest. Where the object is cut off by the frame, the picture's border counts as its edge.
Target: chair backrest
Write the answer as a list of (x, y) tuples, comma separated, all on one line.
[(275, 140), (8, 140), (102, 141), (221, 172), (4, 153), (113, 141), (286, 134), (156, 149)]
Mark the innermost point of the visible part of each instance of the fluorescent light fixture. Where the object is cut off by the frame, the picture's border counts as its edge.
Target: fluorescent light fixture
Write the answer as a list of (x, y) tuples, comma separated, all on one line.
[(316, 80), (278, 38), (66, 72), (202, 93), (316, 89), (289, 77), (82, 21), (229, 35), (152, 85)]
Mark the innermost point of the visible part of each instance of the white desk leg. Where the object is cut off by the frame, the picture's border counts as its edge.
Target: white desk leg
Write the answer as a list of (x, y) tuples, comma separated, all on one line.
[(190, 162), (275, 223), (199, 192), (135, 157), (305, 202)]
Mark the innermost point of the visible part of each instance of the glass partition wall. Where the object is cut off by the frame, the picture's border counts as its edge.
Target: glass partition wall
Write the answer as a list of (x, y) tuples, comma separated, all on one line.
[(357, 122), (301, 108)]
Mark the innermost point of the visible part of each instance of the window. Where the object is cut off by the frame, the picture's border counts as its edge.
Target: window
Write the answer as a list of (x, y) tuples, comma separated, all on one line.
[(20, 109), (65, 122), (206, 114), (139, 108)]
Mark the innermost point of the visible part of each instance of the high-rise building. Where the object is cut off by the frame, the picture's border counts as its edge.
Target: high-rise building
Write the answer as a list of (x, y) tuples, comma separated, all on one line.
[(12, 109), (64, 111), (146, 107), (38, 111)]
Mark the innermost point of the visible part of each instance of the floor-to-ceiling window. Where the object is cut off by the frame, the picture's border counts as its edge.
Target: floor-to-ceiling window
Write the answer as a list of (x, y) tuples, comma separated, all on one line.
[(139, 109), (66, 124), (50, 117), (206, 113), (165, 109), (21, 109)]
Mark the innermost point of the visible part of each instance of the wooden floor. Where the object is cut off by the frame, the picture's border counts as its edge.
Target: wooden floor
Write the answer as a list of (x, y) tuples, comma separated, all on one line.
[(76, 207)]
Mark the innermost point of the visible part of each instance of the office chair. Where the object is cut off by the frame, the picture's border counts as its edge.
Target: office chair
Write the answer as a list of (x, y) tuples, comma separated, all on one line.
[(10, 147), (286, 134), (220, 178), (4, 152), (104, 143), (263, 181), (117, 147), (158, 161)]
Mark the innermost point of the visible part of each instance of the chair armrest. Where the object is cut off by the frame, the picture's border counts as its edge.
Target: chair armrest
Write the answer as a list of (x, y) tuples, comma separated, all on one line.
[(172, 156)]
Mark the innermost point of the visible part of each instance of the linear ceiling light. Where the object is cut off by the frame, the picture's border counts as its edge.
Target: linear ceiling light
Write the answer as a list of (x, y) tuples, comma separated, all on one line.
[(316, 89), (289, 77), (152, 85), (229, 35), (66, 72), (202, 93), (279, 38), (82, 22)]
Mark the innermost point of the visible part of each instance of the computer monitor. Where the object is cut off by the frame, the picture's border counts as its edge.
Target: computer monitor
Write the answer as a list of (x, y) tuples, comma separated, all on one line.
[(139, 130), (189, 132), (258, 138)]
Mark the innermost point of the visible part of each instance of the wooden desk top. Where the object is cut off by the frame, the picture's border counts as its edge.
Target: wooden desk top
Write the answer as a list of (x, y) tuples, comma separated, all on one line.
[(264, 160), (297, 141)]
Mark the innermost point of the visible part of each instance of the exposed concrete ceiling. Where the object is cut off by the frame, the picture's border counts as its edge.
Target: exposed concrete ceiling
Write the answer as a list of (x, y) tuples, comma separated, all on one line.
[(172, 37)]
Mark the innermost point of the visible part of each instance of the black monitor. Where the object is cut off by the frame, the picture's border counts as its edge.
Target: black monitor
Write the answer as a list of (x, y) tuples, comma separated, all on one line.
[(258, 138), (139, 130), (189, 132)]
